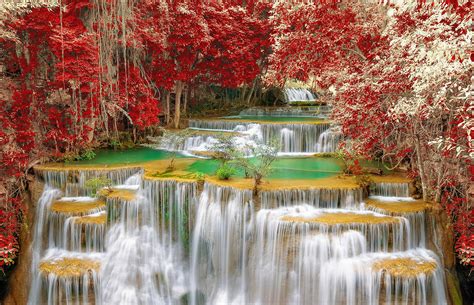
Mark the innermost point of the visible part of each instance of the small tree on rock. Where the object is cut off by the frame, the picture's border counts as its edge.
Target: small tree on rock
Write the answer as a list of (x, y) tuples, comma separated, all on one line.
[(259, 165)]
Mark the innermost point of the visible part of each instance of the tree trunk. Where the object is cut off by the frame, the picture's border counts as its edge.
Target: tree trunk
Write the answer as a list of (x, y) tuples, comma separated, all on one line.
[(439, 180), (167, 112), (421, 169), (249, 97), (105, 119), (177, 103), (242, 93), (185, 106), (256, 183)]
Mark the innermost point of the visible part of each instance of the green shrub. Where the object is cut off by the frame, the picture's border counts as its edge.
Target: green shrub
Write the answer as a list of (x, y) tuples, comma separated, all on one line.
[(200, 177), (259, 166), (88, 154), (97, 183), (114, 143), (326, 155), (224, 172)]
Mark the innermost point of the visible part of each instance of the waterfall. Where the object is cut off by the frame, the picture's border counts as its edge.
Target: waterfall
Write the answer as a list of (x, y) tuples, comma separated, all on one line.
[(161, 241), (357, 279), (84, 234), (145, 258), (66, 285), (192, 143), (328, 141), (73, 181), (219, 250), (321, 111), (321, 198), (286, 140), (303, 138), (391, 189), (417, 217), (299, 95), (44, 202)]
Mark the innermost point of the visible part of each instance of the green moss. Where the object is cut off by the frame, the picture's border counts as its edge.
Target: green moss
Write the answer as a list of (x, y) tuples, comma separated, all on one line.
[(453, 289)]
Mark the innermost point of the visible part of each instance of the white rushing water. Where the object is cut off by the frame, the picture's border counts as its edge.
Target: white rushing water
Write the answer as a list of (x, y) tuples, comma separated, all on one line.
[(320, 111), (299, 95), (291, 138), (173, 244)]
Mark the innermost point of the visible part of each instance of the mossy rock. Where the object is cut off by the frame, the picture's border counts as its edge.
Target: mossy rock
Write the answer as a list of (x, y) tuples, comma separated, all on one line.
[(453, 289)]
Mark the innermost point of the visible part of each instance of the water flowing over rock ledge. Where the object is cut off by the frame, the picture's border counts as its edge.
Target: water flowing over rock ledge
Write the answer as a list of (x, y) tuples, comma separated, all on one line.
[(219, 242)]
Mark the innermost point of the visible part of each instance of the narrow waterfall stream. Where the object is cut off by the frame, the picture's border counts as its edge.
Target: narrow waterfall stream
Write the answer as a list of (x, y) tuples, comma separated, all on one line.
[(299, 95), (162, 241)]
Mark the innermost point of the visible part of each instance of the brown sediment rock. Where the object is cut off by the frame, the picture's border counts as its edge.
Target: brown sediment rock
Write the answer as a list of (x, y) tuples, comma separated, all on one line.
[(390, 178), (405, 267), (335, 182), (399, 207), (92, 219), (76, 207), (124, 194), (68, 267), (342, 218)]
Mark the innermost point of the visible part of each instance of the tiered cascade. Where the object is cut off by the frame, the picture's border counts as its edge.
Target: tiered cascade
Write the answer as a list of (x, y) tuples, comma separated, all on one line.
[(293, 138), (161, 241), (321, 111)]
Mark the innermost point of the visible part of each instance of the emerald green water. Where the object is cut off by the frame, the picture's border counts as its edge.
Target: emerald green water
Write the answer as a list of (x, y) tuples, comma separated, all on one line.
[(268, 118), (126, 156), (282, 168)]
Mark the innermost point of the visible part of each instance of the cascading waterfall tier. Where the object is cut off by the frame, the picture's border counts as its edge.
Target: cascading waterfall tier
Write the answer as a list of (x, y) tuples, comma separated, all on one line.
[(415, 211), (195, 143), (66, 232), (383, 233), (293, 137), (389, 189), (85, 233), (244, 136), (329, 140), (69, 278), (299, 95), (117, 201), (220, 241), (145, 259), (413, 277), (290, 252), (150, 240), (321, 198), (73, 180), (322, 111)]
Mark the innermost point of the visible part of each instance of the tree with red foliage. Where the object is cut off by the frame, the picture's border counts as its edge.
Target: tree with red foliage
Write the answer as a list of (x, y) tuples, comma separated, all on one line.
[(240, 42), (402, 83), (62, 99), (411, 102), (317, 42)]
